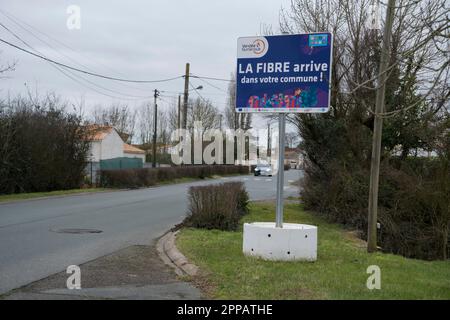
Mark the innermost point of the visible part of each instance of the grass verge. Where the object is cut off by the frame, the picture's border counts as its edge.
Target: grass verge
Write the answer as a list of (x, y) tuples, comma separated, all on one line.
[(32, 195), (339, 272)]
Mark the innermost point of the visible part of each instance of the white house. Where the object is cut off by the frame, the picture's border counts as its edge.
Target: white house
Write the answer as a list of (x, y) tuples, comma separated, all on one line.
[(106, 143)]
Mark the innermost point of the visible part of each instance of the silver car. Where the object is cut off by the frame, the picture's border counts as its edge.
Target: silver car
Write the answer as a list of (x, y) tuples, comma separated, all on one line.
[(263, 170)]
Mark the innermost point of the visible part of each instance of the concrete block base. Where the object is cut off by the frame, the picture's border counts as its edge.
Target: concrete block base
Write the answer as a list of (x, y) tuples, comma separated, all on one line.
[(292, 242)]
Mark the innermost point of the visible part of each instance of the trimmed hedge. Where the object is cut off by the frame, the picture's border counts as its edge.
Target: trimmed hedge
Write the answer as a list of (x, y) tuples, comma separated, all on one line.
[(145, 177), (219, 206)]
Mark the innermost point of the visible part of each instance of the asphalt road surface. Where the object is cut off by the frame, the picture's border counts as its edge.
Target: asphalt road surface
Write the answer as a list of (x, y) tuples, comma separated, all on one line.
[(33, 246)]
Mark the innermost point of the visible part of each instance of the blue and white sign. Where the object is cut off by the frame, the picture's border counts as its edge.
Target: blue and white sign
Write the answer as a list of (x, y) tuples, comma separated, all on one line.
[(287, 73)]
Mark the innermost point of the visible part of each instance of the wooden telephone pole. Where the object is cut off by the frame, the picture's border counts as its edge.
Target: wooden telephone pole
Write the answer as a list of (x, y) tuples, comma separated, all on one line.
[(179, 113), (186, 96), (377, 131), (155, 127)]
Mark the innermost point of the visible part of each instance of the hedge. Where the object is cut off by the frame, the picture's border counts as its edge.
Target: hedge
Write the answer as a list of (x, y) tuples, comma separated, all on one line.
[(145, 177)]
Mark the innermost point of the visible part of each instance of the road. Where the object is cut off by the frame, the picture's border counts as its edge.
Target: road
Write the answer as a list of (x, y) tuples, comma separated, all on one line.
[(32, 246)]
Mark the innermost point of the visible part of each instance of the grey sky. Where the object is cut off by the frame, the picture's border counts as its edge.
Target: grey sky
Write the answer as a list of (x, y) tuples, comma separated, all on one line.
[(132, 39)]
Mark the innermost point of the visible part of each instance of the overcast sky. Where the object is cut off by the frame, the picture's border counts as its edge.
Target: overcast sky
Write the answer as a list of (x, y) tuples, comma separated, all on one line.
[(133, 39)]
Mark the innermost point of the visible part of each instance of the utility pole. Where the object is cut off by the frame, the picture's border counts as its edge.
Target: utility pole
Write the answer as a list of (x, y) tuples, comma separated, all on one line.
[(179, 113), (186, 96), (377, 131), (155, 128)]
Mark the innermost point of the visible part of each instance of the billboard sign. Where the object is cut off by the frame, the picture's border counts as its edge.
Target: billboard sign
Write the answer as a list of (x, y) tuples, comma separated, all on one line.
[(285, 73)]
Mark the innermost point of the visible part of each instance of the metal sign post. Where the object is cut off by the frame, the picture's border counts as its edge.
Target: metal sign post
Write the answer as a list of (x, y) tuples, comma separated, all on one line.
[(284, 74), (280, 175)]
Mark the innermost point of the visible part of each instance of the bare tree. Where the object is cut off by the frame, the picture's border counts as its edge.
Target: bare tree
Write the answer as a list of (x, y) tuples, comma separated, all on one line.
[(233, 119), (5, 68), (163, 136), (121, 117), (145, 123), (172, 115), (337, 144), (291, 139), (205, 112)]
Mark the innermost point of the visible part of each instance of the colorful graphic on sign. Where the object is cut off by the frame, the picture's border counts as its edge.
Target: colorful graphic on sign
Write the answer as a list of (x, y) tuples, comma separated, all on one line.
[(288, 73)]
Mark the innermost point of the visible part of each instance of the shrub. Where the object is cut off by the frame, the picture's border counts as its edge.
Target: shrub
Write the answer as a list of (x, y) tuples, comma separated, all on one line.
[(42, 146), (413, 204), (128, 178), (219, 206)]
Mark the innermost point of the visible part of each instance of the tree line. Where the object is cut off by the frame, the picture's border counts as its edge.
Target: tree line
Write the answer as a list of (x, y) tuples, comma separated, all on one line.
[(43, 145), (414, 195)]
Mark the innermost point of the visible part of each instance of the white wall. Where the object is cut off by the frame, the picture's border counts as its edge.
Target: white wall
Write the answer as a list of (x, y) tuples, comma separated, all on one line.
[(95, 150), (111, 146)]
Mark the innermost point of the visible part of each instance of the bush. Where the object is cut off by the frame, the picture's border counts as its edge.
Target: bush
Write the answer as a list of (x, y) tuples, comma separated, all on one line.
[(414, 193), (219, 206), (127, 178), (145, 177), (413, 205), (415, 216), (42, 147)]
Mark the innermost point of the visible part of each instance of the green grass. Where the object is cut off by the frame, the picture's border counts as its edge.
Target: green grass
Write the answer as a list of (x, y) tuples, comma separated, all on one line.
[(187, 180), (338, 273), (176, 181), (32, 195)]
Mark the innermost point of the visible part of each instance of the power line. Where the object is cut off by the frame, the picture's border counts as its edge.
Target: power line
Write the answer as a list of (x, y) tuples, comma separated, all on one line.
[(84, 71), (207, 101), (198, 93), (212, 78), (22, 24), (212, 85), (74, 78), (77, 76)]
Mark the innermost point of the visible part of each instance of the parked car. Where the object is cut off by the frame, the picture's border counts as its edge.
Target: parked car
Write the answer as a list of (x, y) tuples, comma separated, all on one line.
[(263, 170)]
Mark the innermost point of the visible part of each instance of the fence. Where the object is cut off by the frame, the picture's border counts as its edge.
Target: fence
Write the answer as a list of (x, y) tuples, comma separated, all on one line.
[(121, 163)]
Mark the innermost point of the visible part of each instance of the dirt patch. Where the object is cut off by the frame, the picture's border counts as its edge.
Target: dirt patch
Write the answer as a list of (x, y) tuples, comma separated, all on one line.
[(202, 282), (355, 237)]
